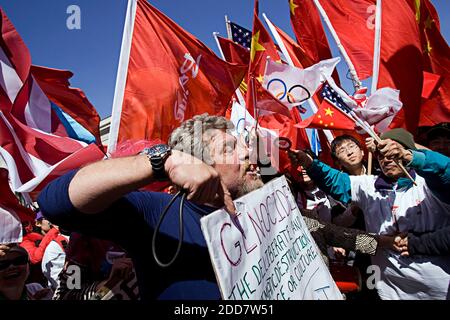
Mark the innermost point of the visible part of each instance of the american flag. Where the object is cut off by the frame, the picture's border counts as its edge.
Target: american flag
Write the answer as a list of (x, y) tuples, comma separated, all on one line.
[(330, 94), (241, 35), (360, 96)]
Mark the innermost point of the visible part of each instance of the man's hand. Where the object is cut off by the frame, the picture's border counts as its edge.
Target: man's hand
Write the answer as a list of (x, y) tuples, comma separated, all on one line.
[(391, 149), (121, 269), (201, 181), (397, 243), (301, 158), (401, 245), (370, 145), (339, 253), (43, 294)]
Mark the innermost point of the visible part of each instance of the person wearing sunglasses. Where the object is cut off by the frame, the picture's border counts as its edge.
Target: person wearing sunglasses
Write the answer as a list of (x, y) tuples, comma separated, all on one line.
[(14, 271)]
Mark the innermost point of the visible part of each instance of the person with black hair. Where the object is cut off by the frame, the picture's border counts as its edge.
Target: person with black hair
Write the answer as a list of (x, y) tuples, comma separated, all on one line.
[(348, 154), (438, 138), (392, 205)]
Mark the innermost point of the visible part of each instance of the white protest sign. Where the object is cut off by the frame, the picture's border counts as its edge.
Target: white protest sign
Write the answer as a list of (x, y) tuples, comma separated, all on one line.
[(267, 252)]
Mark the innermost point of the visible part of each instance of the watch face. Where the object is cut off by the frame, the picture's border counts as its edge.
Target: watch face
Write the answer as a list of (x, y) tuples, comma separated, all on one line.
[(157, 150)]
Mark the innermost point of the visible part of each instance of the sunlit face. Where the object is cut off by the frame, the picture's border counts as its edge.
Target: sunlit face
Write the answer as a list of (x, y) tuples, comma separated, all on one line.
[(349, 155), (14, 271), (230, 157), (389, 168), (44, 224)]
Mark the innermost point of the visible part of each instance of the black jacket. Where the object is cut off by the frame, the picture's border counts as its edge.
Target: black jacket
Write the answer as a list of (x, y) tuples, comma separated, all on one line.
[(435, 243)]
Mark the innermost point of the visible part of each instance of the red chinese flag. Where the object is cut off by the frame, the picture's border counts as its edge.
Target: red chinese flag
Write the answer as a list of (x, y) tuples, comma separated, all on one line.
[(325, 154), (283, 127), (354, 22), (297, 54), (401, 64), (436, 60), (234, 52), (327, 117), (262, 46), (302, 136), (430, 82), (171, 77), (308, 29), (73, 101)]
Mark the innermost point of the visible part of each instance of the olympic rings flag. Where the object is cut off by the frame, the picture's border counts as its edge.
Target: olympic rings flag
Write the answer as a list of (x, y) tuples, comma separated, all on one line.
[(292, 85)]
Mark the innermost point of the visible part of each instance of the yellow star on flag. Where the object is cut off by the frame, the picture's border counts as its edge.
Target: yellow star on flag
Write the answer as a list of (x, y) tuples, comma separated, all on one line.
[(293, 6), (329, 112), (428, 48), (255, 46), (260, 78), (417, 7), (428, 22)]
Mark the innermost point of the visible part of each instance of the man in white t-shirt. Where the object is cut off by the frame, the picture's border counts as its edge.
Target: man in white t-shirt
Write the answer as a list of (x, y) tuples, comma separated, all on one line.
[(393, 204)]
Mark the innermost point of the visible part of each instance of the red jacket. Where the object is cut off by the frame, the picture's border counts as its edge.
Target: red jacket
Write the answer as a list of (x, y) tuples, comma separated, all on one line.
[(35, 244)]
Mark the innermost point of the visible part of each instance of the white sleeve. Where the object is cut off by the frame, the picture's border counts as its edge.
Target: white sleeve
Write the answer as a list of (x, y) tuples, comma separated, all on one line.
[(53, 263)]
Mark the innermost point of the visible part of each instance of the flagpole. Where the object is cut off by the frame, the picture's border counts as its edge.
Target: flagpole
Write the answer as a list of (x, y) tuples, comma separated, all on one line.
[(368, 129), (376, 48), (354, 75), (227, 25), (237, 92), (310, 101), (255, 107), (121, 78)]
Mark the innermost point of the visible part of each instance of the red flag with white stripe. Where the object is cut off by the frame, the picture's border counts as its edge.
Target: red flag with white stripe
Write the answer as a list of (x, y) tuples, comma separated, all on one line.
[(55, 84), (12, 213), (33, 140)]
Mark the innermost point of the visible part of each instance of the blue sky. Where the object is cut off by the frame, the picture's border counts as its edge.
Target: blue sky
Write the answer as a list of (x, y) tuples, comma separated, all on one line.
[(92, 53)]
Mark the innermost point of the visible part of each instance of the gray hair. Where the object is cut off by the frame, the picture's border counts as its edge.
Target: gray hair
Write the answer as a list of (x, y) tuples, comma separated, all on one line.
[(190, 136)]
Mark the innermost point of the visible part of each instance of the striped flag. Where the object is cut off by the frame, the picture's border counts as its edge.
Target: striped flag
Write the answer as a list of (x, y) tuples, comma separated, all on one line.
[(12, 213), (34, 142)]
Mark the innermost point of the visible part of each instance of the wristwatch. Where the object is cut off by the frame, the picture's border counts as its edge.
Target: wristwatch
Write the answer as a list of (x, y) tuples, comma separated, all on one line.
[(157, 155)]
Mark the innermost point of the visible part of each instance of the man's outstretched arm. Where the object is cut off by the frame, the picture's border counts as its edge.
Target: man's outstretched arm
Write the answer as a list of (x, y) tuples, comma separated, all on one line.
[(96, 186), (333, 182)]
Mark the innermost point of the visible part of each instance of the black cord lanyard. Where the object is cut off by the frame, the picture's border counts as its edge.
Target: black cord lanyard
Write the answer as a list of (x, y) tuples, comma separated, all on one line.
[(180, 231)]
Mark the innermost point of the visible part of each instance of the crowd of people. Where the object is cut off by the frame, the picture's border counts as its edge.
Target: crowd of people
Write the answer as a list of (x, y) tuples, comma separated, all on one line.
[(92, 235)]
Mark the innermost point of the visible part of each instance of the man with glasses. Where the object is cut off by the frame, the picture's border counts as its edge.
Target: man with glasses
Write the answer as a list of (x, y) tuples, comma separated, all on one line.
[(393, 204), (348, 154)]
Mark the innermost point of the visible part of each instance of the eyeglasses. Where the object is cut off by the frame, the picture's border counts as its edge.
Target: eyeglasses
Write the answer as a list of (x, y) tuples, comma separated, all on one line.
[(20, 260), (350, 147)]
